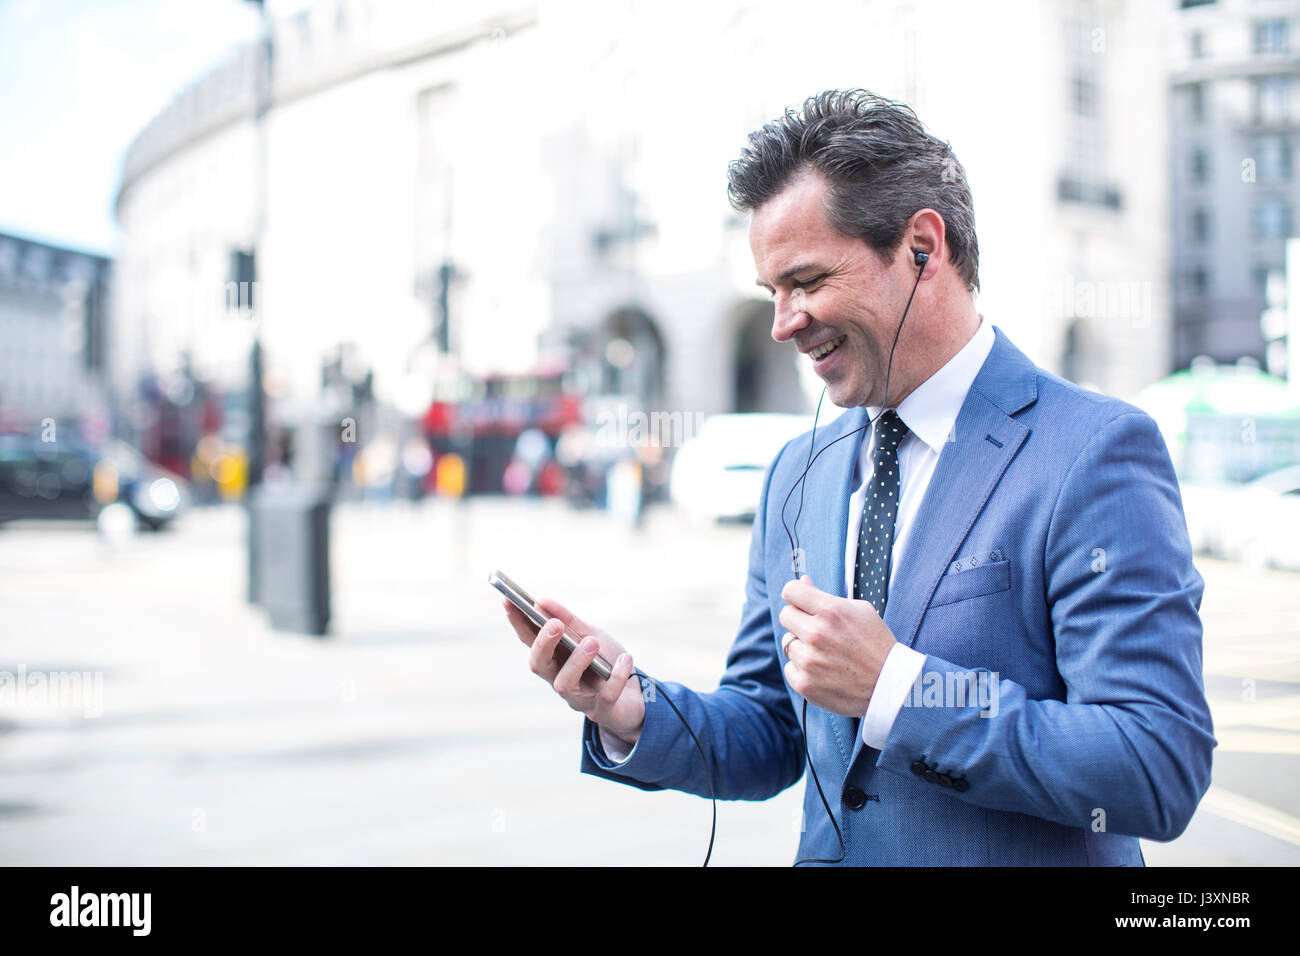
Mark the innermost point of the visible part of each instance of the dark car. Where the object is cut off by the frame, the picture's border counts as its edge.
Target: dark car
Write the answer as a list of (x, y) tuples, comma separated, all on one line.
[(73, 479)]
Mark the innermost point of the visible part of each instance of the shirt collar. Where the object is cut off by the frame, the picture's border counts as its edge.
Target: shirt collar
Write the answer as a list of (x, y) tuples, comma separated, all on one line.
[(931, 409)]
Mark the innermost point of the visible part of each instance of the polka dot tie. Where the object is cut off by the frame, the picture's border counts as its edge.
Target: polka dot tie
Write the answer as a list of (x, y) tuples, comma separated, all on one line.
[(876, 537)]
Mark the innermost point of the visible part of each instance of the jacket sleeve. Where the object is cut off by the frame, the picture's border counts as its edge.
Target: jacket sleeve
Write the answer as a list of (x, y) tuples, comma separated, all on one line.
[(1129, 749), (747, 727)]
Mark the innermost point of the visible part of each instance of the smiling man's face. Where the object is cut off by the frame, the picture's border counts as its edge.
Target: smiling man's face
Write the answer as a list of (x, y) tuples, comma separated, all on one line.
[(830, 288)]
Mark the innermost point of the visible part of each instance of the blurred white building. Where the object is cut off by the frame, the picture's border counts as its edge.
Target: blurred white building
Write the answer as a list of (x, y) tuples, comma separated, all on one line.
[(562, 166), (1234, 121)]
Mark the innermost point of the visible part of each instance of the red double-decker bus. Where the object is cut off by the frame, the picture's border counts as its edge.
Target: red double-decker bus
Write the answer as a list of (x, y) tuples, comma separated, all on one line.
[(481, 420)]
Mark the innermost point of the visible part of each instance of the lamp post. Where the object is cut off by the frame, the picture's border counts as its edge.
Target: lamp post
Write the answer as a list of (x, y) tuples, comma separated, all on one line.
[(248, 263)]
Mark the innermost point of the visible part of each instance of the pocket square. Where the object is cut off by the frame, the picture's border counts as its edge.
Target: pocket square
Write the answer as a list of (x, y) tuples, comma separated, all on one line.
[(976, 559)]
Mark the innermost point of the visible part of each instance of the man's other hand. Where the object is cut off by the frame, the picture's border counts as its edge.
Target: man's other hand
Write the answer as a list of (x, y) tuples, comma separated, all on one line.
[(616, 704), (836, 647)]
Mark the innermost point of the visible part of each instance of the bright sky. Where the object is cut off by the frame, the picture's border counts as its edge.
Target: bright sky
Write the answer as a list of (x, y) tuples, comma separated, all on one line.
[(80, 79)]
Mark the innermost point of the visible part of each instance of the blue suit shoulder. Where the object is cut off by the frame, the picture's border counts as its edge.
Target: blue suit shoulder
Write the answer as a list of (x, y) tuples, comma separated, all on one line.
[(1066, 417)]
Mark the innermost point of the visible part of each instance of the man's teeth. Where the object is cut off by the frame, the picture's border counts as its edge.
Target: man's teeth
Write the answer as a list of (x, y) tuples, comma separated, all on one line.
[(827, 349)]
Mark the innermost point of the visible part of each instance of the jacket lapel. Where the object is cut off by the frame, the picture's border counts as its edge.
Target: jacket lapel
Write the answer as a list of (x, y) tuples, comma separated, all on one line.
[(826, 500), (984, 441)]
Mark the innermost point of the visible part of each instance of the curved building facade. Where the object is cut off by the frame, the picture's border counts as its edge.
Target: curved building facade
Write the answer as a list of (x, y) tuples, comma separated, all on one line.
[(551, 176)]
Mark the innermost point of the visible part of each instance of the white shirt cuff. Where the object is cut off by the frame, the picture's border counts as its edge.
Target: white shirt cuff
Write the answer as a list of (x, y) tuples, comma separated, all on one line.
[(901, 669), (616, 749)]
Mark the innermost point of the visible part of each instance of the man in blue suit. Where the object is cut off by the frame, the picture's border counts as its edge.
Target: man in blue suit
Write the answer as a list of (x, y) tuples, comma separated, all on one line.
[(1032, 692)]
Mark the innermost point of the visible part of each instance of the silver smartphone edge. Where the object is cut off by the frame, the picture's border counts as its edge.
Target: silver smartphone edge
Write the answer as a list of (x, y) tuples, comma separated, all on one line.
[(522, 600)]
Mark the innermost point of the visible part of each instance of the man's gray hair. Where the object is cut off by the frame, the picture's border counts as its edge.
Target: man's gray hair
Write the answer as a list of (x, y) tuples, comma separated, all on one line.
[(881, 166)]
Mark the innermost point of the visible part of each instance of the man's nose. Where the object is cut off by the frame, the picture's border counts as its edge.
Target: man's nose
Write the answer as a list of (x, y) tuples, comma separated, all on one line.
[(791, 315)]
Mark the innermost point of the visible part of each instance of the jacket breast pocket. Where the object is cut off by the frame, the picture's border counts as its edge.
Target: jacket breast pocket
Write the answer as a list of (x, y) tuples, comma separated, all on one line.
[(973, 582)]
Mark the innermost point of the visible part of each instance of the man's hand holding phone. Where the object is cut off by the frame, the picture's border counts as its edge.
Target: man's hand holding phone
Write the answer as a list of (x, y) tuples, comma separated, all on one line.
[(616, 705)]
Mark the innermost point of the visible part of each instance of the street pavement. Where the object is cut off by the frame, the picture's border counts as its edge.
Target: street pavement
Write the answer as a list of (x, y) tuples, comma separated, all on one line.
[(415, 734)]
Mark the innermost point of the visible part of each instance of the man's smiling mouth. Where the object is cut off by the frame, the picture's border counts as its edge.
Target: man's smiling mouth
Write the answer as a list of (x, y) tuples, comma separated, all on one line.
[(827, 349)]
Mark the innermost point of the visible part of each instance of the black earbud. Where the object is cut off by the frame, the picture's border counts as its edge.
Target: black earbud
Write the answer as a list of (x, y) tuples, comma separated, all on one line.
[(922, 258)]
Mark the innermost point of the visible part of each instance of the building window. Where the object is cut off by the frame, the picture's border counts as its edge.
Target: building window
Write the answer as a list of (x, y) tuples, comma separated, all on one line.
[(1196, 44), (1259, 279), (1272, 219), (1272, 99), (1273, 158), (1270, 36), (1196, 102), (1072, 189), (1200, 226), (1185, 4), (1200, 165), (1198, 282), (1084, 95)]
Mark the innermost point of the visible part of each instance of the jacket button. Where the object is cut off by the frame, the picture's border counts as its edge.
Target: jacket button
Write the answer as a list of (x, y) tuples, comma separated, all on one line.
[(930, 775), (945, 780), (919, 768), (960, 785), (854, 798)]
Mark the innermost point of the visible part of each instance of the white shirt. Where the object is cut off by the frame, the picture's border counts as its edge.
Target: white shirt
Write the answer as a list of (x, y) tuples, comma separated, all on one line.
[(929, 412)]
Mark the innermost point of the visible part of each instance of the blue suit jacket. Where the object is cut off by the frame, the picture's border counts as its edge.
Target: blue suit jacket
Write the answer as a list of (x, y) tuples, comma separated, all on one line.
[(1050, 550)]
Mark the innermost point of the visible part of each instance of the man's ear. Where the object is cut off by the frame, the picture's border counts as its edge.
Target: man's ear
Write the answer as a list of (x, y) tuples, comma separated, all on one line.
[(926, 232)]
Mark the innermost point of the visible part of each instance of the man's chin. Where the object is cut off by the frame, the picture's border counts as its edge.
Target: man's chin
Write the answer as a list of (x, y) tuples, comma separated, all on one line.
[(842, 395)]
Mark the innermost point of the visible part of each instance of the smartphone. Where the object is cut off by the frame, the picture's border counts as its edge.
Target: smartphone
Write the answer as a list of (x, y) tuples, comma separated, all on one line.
[(568, 639)]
